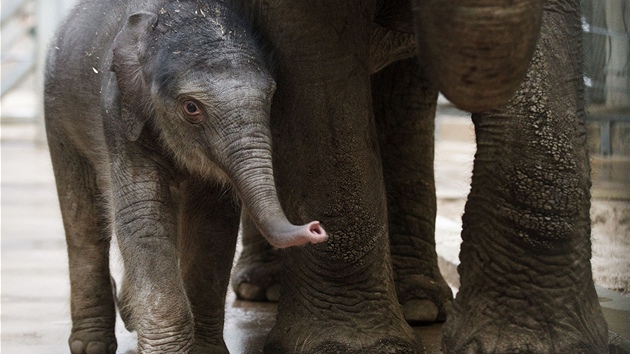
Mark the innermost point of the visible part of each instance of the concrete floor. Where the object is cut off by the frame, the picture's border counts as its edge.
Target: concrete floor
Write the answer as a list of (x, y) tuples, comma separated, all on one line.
[(35, 286)]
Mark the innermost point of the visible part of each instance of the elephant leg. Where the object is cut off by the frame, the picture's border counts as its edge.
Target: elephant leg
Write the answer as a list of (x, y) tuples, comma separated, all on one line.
[(526, 282), (88, 238), (336, 297), (153, 299), (256, 275), (208, 226), (404, 108)]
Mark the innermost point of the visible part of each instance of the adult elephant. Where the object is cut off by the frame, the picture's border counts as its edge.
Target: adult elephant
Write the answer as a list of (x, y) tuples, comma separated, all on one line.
[(526, 282)]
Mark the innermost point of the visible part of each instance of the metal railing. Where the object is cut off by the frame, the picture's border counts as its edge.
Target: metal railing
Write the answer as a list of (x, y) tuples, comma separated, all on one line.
[(607, 65), (26, 27), (18, 42)]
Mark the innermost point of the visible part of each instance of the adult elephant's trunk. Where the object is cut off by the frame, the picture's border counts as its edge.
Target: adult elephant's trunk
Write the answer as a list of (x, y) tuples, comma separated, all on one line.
[(250, 170), (477, 51)]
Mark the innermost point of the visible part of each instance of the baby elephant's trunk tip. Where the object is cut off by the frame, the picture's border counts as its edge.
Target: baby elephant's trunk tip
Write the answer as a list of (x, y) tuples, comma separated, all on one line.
[(317, 232), (312, 232)]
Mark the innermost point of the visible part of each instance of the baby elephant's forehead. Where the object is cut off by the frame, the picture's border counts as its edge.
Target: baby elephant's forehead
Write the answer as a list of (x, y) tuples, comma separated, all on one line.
[(209, 78), (205, 47)]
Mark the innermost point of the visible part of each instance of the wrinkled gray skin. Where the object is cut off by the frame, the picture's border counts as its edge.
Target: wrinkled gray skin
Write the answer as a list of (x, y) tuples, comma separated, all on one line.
[(526, 283), (156, 149)]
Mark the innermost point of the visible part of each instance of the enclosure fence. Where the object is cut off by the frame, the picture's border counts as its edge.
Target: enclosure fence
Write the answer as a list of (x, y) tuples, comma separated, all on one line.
[(607, 65)]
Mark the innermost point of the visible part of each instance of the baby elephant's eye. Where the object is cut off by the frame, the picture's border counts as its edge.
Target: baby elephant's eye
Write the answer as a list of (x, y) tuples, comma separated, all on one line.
[(191, 108), (193, 112)]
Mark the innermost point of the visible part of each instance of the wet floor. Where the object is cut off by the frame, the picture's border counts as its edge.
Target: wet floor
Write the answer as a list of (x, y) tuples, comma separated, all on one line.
[(35, 286)]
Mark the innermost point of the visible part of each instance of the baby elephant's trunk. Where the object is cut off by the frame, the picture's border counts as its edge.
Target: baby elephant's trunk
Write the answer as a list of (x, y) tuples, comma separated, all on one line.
[(250, 170)]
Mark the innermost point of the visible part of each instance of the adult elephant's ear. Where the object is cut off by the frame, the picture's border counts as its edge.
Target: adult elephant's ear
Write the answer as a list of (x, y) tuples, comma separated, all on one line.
[(129, 47)]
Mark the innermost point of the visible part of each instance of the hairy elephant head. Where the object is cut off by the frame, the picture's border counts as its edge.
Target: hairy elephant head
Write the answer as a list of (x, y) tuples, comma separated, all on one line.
[(195, 74), (477, 51)]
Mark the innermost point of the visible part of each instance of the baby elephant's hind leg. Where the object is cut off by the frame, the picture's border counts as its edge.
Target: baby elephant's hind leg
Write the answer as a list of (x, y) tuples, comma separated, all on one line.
[(208, 227), (88, 238), (256, 276)]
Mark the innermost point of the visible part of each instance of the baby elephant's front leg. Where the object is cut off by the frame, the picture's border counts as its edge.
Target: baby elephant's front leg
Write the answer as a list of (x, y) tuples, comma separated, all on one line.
[(153, 299)]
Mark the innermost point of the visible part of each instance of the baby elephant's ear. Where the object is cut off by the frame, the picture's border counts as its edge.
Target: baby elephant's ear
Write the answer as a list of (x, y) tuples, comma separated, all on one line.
[(128, 48)]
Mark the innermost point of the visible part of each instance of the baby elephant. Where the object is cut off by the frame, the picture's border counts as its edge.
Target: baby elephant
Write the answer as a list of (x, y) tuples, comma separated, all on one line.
[(155, 111)]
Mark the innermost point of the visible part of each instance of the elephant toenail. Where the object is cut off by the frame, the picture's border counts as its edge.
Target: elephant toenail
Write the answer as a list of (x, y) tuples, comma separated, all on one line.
[(273, 293), (76, 347), (95, 348), (247, 291), (420, 311)]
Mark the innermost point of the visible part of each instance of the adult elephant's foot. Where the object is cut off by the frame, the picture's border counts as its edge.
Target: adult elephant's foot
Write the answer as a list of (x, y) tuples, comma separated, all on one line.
[(474, 327), (218, 348), (550, 310), (345, 341), (422, 291), (255, 276), (93, 336), (352, 311)]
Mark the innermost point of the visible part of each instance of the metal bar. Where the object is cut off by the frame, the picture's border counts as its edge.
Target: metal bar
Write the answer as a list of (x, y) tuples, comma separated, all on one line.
[(608, 33), (9, 7), (10, 37), (606, 121), (18, 73), (608, 117), (605, 145)]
